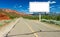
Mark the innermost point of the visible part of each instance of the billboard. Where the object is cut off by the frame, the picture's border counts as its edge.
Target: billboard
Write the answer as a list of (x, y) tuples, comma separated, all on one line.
[(39, 6)]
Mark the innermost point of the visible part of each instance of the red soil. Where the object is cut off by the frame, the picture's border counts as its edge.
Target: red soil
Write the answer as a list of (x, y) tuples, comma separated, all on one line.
[(4, 16)]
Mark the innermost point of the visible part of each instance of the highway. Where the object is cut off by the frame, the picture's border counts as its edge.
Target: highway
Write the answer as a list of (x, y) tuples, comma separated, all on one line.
[(31, 28)]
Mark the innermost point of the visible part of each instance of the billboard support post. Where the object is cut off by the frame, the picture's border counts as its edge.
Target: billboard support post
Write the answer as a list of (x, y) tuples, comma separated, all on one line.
[(39, 17)]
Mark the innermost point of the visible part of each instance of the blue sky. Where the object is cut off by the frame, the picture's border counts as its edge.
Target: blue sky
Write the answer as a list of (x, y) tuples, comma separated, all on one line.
[(23, 5)]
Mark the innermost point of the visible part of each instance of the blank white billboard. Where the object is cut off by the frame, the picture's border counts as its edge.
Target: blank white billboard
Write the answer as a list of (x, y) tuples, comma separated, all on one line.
[(39, 6)]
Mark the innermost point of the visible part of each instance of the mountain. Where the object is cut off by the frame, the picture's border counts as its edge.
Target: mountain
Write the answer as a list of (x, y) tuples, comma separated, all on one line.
[(10, 14), (4, 16)]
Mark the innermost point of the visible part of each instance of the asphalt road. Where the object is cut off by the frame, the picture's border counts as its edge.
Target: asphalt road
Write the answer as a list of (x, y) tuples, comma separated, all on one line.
[(31, 28)]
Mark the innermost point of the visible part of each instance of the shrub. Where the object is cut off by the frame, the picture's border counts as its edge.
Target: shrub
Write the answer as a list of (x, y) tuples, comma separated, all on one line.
[(7, 21), (1, 24), (31, 17)]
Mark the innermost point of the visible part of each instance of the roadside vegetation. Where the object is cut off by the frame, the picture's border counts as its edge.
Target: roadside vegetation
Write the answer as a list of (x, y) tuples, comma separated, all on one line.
[(33, 17), (49, 18), (4, 22), (53, 19)]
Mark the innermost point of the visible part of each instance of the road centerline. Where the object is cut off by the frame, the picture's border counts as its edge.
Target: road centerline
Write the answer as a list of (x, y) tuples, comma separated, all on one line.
[(35, 34)]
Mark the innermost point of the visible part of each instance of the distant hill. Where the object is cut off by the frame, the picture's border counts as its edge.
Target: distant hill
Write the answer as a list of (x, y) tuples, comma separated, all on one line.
[(10, 14)]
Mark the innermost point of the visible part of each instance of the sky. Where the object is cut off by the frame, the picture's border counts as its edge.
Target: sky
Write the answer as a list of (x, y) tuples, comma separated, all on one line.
[(23, 5)]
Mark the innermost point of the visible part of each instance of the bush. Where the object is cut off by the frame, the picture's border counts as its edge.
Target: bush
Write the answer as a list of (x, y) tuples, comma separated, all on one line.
[(51, 17), (31, 17), (7, 21), (51, 21), (1, 24)]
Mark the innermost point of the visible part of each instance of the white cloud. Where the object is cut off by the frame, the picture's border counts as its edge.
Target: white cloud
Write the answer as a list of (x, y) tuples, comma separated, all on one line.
[(52, 2), (52, 6), (17, 6), (49, 1), (20, 6)]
